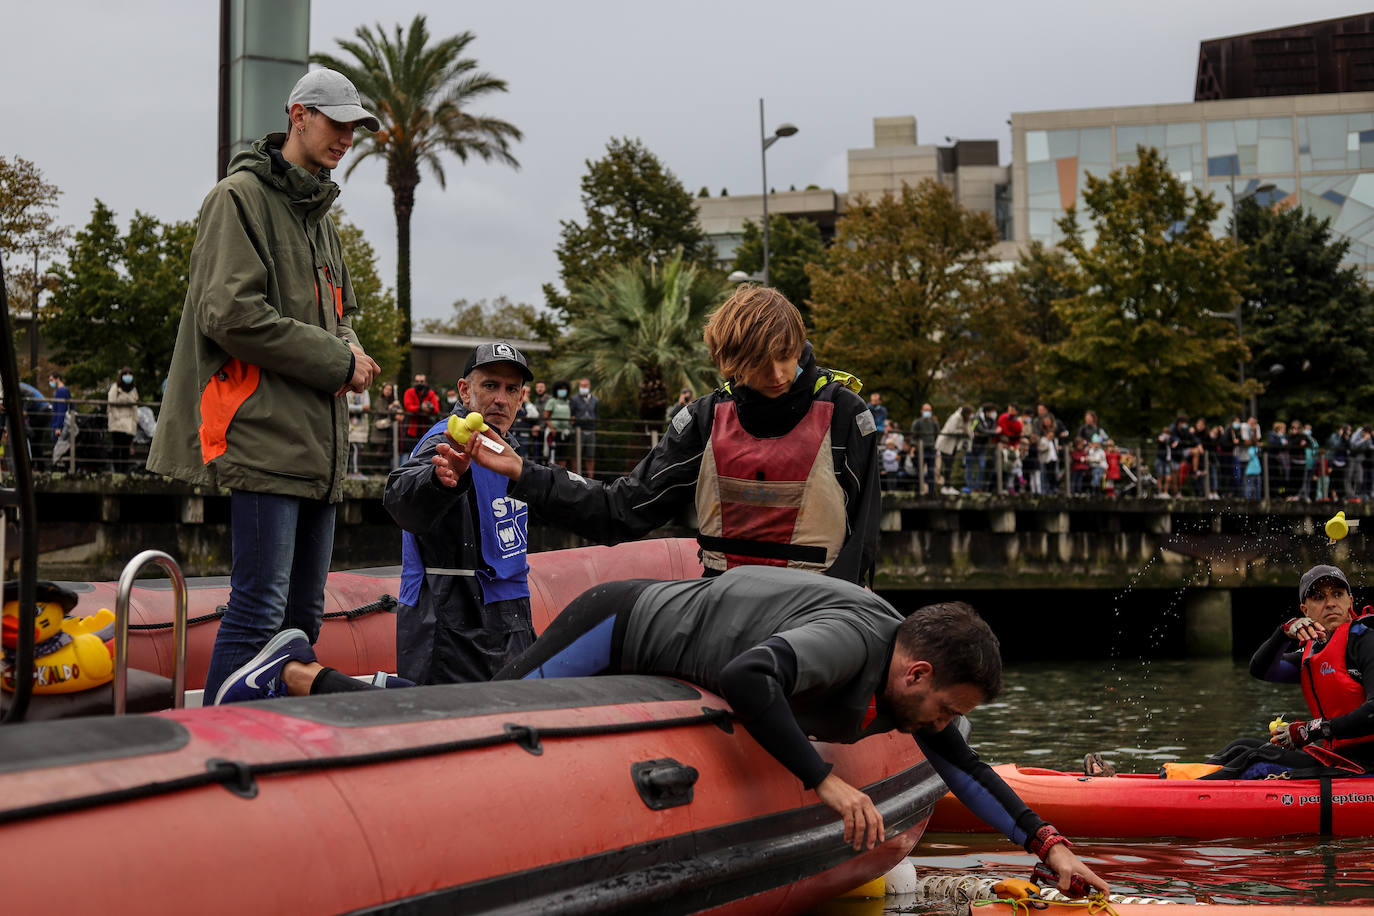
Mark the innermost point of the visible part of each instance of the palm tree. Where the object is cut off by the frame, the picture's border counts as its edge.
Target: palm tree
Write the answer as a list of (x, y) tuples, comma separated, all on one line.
[(641, 331), (422, 93)]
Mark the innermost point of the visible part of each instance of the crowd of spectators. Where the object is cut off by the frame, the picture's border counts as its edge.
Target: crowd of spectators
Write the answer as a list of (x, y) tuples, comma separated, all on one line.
[(992, 449), (970, 450)]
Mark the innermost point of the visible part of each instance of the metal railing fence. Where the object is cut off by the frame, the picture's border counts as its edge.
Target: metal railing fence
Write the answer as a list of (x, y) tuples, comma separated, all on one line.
[(380, 439)]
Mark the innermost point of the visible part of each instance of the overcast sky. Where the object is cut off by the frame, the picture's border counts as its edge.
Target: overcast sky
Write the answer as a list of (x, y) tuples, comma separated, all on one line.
[(118, 100)]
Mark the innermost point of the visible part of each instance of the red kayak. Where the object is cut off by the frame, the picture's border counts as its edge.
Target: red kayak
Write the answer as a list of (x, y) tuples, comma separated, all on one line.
[(583, 795), (1139, 805)]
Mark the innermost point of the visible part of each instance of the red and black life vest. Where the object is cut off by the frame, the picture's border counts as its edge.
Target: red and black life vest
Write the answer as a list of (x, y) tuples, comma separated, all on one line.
[(770, 502), (1327, 684)]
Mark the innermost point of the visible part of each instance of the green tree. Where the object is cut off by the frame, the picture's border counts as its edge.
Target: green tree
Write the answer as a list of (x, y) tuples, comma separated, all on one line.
[(1141, 344), (499, 318), (1300, 293), (377, 321), (28, 230), (1013, 337), (639, 332), (792, 244), (893, 299), (423, 93), (118, 300), (635, 208)]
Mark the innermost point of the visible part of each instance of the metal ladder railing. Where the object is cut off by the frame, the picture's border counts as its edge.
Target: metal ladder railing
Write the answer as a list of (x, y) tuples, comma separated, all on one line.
[(121, 659)]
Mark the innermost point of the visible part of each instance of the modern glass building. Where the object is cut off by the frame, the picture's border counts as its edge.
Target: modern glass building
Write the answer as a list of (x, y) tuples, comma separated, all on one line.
[(1316, 151)]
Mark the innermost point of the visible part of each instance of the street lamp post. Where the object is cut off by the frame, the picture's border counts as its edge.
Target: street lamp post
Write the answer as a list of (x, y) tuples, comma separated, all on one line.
[(783, 130)]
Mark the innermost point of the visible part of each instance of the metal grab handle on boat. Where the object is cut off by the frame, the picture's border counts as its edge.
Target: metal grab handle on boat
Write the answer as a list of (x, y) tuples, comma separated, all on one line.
[(126, 585)]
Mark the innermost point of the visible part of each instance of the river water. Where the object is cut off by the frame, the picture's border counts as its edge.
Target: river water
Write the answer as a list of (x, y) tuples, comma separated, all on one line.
[(1139, 714)]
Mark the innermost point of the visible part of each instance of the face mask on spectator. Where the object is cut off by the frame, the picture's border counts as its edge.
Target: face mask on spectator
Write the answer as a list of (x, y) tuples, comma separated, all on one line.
[(1235, 425), (127, 379), (584, 391), (453, 400)]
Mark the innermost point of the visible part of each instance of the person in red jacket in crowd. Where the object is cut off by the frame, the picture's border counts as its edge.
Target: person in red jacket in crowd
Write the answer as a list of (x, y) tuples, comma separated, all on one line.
[(1112, 481), (422, 409), (1009, 425)]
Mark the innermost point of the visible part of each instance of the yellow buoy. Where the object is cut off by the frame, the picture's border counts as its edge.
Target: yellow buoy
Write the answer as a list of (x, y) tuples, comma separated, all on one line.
[(1337, 527), (874, 888)]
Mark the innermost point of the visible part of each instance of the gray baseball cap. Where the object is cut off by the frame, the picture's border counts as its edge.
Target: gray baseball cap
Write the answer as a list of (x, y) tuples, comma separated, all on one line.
[(331, 93), (1315, 575), (498, 352)]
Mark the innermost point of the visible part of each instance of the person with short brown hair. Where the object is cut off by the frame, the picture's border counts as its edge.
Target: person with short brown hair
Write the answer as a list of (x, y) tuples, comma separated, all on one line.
[(755, 326), (782, 458)]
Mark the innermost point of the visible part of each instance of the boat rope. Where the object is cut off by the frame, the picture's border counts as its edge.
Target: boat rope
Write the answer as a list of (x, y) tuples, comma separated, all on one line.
[(383, 603), (239, 776)]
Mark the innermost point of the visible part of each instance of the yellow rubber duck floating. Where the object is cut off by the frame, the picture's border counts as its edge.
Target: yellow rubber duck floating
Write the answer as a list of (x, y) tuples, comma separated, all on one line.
[(70, 653)]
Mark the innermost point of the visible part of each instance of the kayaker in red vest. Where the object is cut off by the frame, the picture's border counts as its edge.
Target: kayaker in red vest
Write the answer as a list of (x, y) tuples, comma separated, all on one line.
[(1329, 652), (782, 458)]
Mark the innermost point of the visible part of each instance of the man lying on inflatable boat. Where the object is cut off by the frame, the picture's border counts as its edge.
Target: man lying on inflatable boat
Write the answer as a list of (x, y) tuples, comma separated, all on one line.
[(795, 655)]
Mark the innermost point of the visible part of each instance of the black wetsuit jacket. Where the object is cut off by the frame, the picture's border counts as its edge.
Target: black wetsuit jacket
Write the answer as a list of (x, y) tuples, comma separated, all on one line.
[(665, 481)]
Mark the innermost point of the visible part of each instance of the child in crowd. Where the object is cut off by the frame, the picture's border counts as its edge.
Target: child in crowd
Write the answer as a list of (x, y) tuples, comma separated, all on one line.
[(1011, 470), (1112, 478), (1322, 475), (890, 465), (1252, 472), (1097, 463), (911, 468), (1078, 466), (1029, 449)]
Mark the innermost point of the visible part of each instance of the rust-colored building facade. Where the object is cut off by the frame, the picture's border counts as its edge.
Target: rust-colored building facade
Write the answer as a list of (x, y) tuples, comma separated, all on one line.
[(1335, 55)]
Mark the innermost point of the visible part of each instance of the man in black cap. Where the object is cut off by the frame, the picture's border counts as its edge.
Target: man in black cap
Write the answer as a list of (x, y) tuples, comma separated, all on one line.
[(464, 607), (1329, 652)]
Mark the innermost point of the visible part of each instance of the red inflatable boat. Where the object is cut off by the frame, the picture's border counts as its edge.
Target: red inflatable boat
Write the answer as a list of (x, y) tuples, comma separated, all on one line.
[(598, 795), (1139, 805)]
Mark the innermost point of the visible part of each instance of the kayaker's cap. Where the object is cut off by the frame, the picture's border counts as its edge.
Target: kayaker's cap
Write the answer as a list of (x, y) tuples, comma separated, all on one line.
[(498, 352), (1315, 575)]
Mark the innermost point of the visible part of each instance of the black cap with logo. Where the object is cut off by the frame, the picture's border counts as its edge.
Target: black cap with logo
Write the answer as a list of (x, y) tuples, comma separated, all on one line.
[(498, 352)]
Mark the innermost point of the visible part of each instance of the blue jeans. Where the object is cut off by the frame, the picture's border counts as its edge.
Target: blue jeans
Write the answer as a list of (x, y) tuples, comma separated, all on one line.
[(282, 546), (973, 469)]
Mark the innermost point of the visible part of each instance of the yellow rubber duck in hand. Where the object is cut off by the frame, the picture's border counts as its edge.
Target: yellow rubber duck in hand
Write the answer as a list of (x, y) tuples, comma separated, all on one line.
[(462, 429), (70, 653)]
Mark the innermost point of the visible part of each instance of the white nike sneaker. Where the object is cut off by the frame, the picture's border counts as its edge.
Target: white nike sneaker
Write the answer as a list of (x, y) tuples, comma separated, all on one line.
[(261, 677)]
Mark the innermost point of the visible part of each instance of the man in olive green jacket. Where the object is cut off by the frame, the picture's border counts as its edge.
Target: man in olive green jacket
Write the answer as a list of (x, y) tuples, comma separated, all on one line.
[(264, 354)]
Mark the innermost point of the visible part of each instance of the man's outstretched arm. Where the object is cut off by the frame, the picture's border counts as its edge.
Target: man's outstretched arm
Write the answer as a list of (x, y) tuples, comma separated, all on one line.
[(985, 794)]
